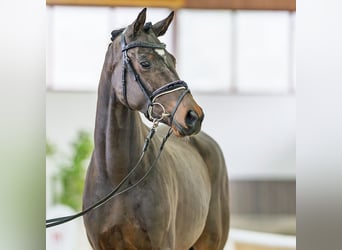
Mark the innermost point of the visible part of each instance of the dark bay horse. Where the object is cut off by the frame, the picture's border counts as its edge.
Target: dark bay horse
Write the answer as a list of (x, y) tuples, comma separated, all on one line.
[(183, 203)]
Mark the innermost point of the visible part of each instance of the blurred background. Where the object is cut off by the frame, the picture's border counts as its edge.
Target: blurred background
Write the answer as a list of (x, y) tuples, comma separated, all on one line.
[(238, 58)]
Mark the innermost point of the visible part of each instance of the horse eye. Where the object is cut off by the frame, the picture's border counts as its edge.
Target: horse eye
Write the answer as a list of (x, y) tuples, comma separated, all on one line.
[(145, 64)]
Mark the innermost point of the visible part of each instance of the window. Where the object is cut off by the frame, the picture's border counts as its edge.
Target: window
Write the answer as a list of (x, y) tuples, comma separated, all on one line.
[(220, 51), (263, 51), (77, 41), (204, 49)]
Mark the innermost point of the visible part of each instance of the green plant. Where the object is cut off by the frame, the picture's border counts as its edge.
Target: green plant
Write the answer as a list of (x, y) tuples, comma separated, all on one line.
[(70, 176), (50, 148)]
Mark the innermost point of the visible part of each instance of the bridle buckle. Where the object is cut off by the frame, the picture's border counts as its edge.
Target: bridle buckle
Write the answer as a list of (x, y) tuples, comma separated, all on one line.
[(163, 115)]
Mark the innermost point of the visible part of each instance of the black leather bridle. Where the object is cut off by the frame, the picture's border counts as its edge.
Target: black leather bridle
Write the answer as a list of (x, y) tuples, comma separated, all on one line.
[(151, 99)]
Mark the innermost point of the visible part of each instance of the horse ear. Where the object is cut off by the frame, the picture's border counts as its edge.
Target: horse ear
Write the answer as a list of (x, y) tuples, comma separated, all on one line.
[(139, 22), (161, 27)]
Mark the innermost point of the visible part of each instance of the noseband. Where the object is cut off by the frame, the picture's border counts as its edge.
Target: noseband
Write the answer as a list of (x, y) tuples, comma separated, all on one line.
[(149, 96)]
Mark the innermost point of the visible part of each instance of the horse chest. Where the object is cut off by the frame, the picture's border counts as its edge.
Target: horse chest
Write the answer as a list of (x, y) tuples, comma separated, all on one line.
[(125, 236), (153, 214), (133, 222)]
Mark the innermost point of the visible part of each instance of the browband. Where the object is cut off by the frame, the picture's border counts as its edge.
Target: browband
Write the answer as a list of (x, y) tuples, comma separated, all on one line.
[(142, 45)]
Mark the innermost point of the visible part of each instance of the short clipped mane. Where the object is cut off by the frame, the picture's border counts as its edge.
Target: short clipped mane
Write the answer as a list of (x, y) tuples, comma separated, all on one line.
[(115, 33), (147, 26)]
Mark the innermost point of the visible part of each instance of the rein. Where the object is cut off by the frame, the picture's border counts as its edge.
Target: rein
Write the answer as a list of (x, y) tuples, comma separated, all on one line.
[(151, 98), (114, 192)]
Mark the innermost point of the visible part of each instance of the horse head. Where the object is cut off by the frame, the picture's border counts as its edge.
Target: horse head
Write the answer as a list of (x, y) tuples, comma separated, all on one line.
[(144, 77)]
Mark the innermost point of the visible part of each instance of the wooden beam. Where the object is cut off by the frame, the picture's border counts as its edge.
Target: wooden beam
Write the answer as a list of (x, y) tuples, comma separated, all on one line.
[(289, 5), (173, 4)]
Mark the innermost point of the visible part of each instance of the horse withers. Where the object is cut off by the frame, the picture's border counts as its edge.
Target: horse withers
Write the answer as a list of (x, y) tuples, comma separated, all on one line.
[(183, 202)]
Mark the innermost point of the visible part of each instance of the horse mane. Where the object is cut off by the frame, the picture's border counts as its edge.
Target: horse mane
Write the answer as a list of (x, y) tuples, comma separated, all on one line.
[(115, 33)]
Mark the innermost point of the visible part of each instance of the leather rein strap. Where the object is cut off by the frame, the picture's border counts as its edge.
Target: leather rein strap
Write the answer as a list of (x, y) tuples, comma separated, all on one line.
[(116, 191), (151, 98)]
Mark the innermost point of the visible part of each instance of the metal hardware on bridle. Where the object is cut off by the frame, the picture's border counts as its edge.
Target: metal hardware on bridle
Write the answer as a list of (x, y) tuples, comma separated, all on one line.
[(151, 98), (162, 116)]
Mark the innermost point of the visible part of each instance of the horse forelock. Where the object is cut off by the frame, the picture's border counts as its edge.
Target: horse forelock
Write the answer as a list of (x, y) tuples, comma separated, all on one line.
[(147, 26)]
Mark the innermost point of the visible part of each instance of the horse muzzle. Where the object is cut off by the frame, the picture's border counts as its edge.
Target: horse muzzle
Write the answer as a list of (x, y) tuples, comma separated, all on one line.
[(182, 113), (190, 126)]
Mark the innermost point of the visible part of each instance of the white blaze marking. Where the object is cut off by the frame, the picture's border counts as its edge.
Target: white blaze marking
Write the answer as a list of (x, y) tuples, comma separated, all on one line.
[(160, 52)]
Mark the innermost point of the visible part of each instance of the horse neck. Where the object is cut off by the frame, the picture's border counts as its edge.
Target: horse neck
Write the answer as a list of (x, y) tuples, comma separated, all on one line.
[(124, 140), (119, 134)]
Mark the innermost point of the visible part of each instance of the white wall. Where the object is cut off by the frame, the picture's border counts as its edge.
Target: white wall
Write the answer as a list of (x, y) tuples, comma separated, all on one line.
[(256, 133)]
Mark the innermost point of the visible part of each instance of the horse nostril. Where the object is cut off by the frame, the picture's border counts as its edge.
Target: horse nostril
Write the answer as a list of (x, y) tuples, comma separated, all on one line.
[(191, 118)]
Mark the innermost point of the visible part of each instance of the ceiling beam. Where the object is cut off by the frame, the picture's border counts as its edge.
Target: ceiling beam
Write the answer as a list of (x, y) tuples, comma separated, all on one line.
[(289, 5)]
